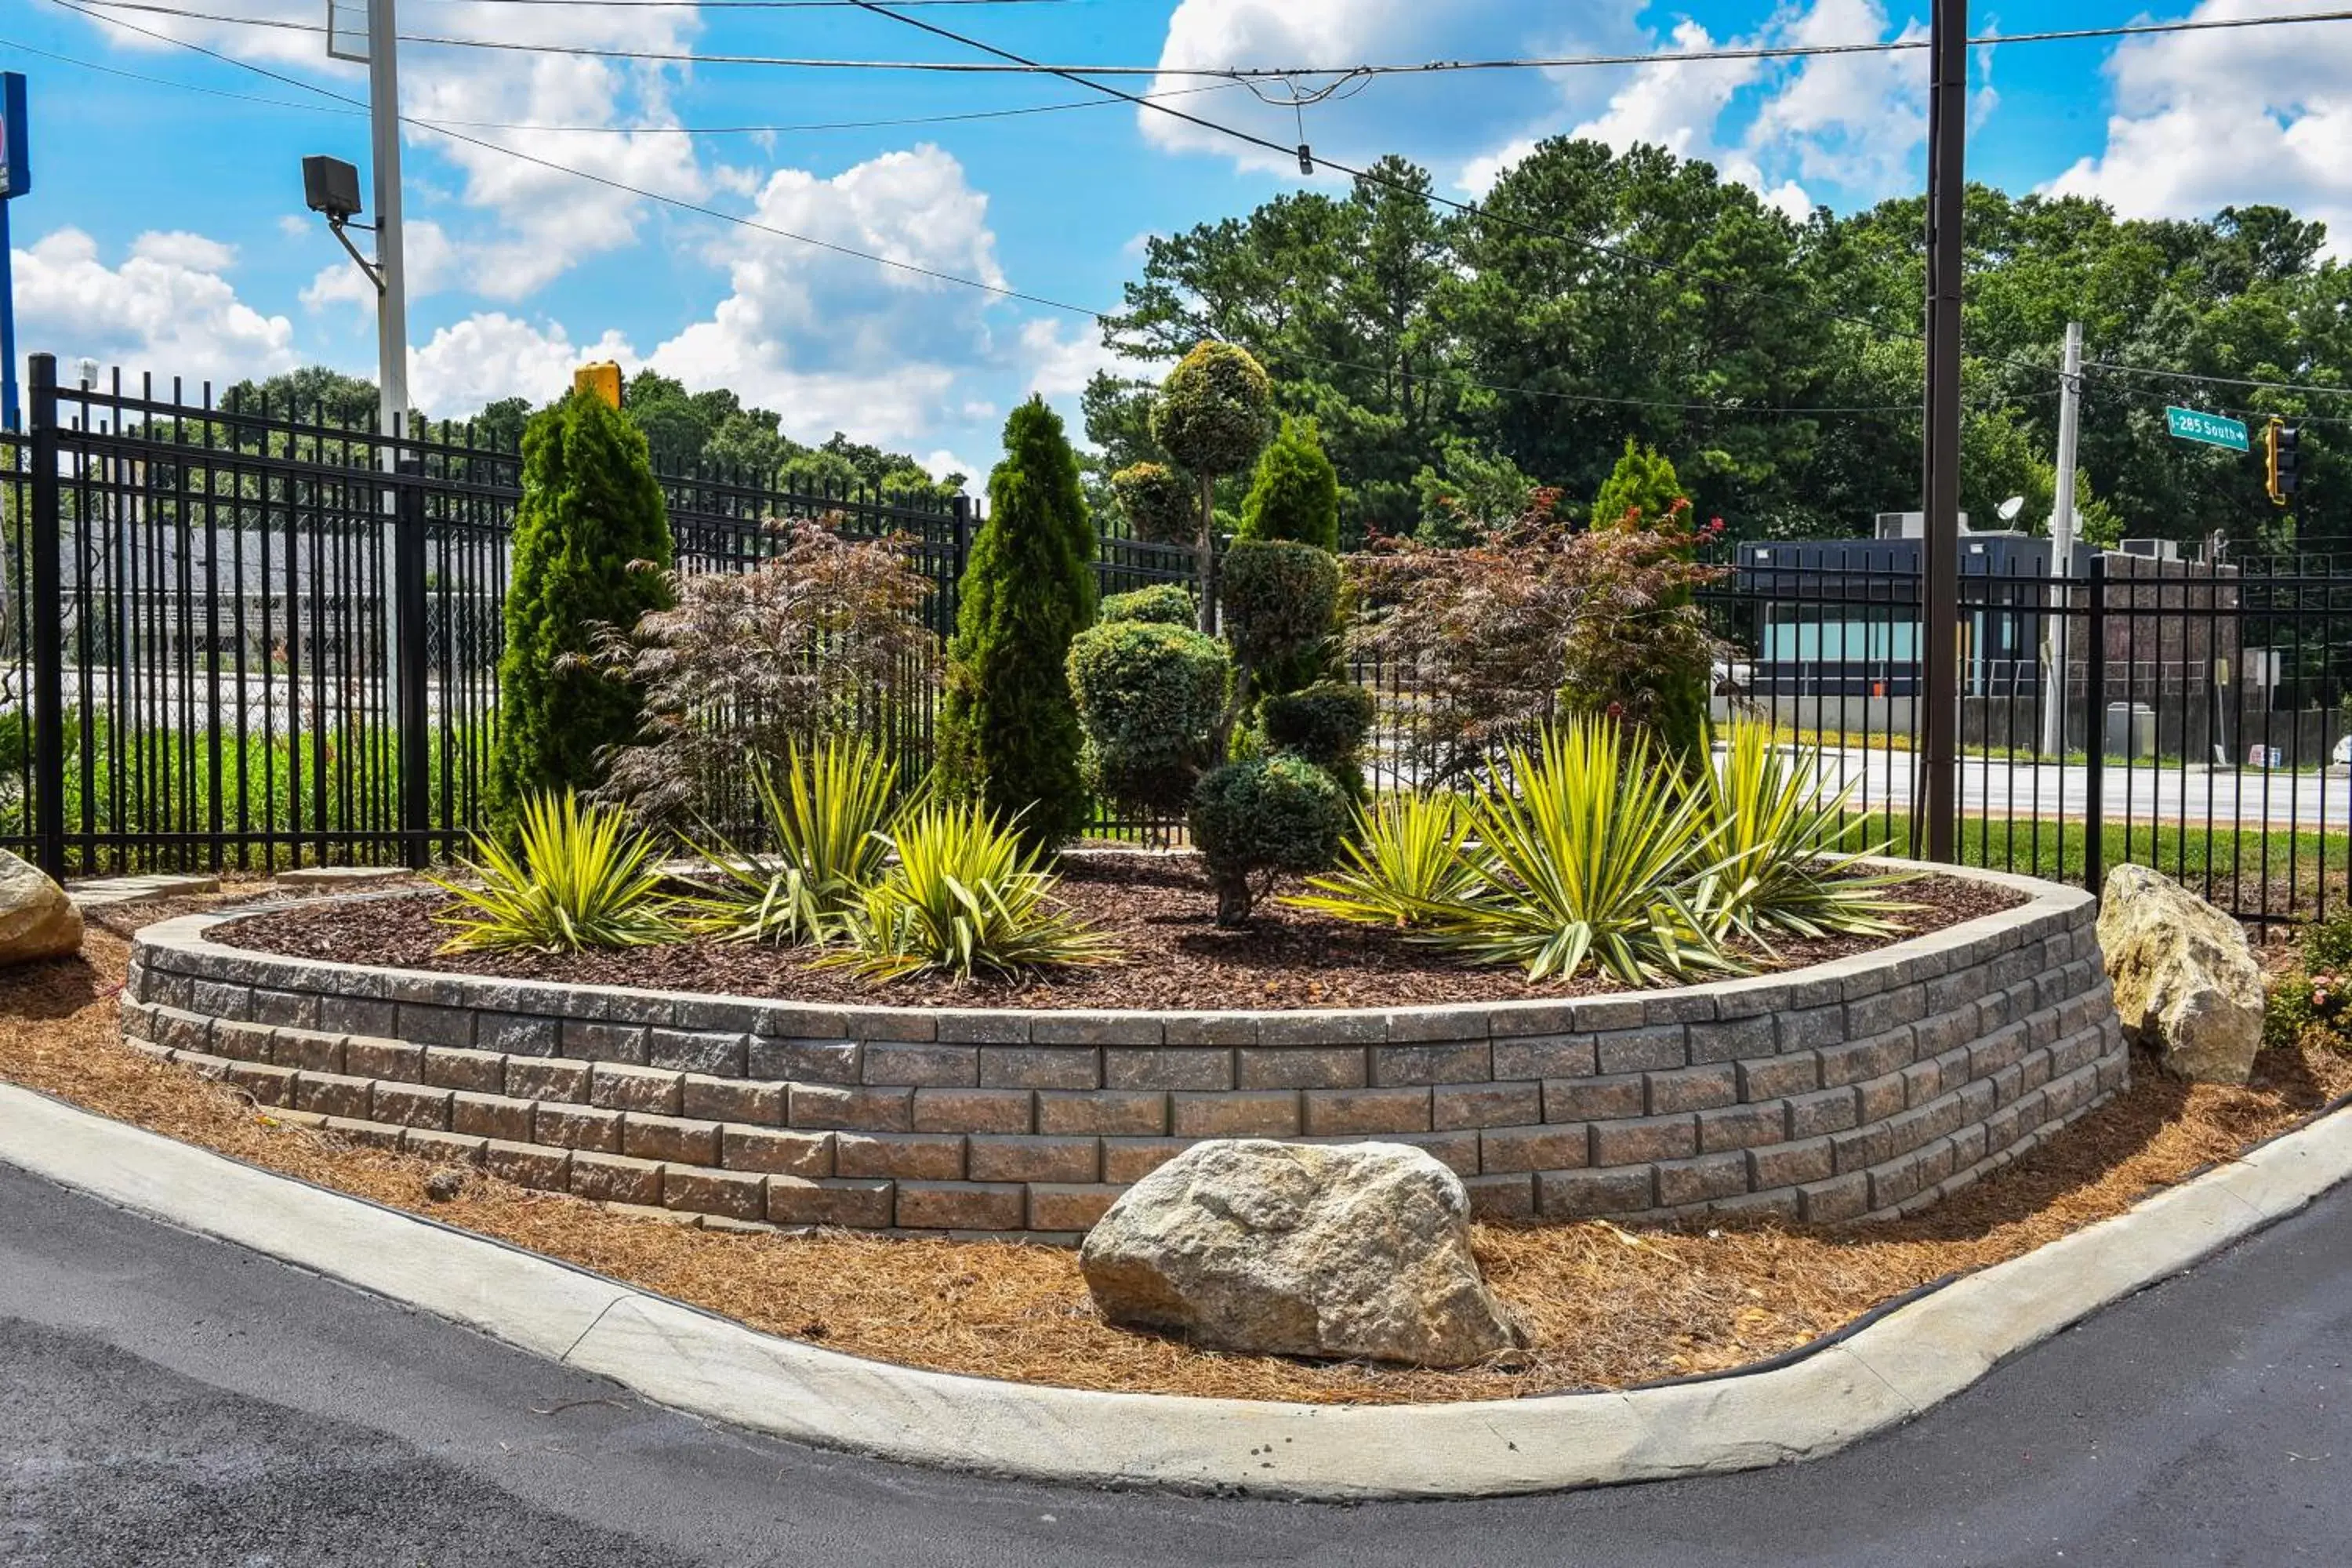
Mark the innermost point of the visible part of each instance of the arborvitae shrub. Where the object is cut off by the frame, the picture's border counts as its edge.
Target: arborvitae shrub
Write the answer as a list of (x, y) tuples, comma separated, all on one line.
[(1642, 486), (1294, 494), (1149, 699), (591, 543), (1164, 604), (1280, 600), (1642, 492), (1256, 818), (1158, 506), (1009, 727)]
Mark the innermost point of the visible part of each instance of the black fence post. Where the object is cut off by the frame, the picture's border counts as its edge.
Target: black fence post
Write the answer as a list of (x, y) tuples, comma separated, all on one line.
[(2095, 734), (416, 719), (48, 628), (961, 506)]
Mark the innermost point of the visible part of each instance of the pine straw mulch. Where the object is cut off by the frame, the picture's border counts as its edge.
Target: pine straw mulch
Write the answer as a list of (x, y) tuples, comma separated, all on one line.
[(1607, 1308)]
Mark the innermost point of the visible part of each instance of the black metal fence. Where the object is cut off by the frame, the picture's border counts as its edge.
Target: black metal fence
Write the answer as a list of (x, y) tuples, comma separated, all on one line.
[(229, 638)]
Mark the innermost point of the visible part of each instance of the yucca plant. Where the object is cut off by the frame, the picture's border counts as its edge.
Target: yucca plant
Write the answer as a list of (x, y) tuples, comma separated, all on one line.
[(826, 821), (1408, 859), (1592, 845), (1784, 845), (964, 896), (579, 876)]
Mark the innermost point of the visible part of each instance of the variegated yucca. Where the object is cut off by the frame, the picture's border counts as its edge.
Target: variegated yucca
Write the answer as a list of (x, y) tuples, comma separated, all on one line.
[(964, 897), (827, 821), (579, 876), (1409, 857), (1787, 867)]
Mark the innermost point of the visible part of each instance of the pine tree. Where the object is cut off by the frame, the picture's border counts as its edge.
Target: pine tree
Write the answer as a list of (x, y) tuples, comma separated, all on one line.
[(1009, 729), (591, 538), (1294, 494), (1643, 492)]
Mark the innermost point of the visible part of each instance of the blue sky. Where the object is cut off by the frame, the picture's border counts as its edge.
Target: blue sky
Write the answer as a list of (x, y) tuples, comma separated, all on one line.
[(167, 232)]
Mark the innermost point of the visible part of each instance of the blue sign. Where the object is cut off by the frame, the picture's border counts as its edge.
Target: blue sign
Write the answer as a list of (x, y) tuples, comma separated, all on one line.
[(15, 179)]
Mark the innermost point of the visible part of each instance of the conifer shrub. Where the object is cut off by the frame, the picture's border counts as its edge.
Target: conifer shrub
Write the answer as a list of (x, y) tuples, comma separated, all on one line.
[(1009, 733), (1643, 494), (591, 543), (1281, 601), (1163, 604), (1326, 724), (1158, 506), (1213, 415), (1255, 820), (1150, 698), (1294, 494)]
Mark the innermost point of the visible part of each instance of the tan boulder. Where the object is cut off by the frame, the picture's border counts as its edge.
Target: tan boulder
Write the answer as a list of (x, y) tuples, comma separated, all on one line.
[(1346, 1251), (36, 920), (2186, 982)]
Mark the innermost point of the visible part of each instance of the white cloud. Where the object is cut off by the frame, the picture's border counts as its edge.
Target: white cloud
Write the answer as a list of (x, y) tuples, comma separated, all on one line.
[(167, 307), (489, 356), (538, 221), (1060, 366), (2208, 119), (1853, 120), (1670, 103), (943, 463), (832, 341), (1463, 113)]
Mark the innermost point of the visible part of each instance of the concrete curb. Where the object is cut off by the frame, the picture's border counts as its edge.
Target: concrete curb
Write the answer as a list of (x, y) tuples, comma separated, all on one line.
[(1889, 1372)]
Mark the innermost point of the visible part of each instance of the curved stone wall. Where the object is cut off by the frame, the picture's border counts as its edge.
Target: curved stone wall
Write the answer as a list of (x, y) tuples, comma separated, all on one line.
[(1867, 1087)]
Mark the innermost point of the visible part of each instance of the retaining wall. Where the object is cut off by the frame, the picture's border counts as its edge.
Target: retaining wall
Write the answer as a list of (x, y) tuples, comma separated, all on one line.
[(1871, 1086)]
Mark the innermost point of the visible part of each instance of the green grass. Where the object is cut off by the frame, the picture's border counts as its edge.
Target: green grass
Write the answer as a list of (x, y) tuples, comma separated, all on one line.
[(2239, 862)]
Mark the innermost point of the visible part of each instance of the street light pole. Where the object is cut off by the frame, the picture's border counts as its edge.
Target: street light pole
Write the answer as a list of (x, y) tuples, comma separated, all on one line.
[(1940, 654), (392, 300)]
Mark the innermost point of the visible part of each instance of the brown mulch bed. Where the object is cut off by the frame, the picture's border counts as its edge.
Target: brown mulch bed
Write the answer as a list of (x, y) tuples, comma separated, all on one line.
[(1606, 1306), (1159, 909)]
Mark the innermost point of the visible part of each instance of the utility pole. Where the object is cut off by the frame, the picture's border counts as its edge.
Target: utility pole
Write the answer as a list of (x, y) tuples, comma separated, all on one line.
[(392, 300), (2061, 558), (1939, 662)]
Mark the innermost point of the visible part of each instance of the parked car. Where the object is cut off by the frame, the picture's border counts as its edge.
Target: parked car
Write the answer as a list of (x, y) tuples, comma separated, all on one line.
[(2343, 755)]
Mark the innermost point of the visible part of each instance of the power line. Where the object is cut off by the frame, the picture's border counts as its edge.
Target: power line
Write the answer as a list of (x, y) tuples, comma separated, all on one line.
[(1001, 291), (897, 122), (2219, 380), (1230, 73)]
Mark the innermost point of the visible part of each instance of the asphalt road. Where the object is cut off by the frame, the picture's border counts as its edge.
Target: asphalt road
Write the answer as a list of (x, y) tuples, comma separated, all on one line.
[(166, 1401)]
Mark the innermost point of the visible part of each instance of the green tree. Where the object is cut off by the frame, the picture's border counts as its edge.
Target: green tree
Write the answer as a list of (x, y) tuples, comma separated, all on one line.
[(1640, 488), (1642, 493), (1213, 416), (590, 541), (1009, 727), (1294, 494)]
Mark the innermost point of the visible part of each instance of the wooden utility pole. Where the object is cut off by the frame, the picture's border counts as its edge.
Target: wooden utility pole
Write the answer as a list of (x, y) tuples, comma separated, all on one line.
[(1939, 651)]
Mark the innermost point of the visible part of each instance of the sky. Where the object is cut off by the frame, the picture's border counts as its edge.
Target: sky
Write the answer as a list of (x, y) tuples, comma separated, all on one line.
[(166, 231)]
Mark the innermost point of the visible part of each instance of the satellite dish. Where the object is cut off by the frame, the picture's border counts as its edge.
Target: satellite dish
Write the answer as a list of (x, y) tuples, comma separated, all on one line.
[(2011, 508)]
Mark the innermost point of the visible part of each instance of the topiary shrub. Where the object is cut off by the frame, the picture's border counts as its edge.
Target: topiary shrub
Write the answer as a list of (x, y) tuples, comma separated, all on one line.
[(1163, 604), (1294, 494), (1326, 724), (1280, 601), (1149, 697), (1254, 819), (1158, 506), (1213, 415), (591, 545), (1009, 727)]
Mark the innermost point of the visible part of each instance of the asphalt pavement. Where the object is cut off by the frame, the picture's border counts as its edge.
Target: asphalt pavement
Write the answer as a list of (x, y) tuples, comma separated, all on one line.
[(167, 1400)]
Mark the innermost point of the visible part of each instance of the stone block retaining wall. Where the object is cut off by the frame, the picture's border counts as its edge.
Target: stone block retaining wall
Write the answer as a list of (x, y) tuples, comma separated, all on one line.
[(1867, 1087)]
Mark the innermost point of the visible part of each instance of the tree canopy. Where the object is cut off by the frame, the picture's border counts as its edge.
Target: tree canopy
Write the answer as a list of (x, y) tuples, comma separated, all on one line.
[(1451, 361)]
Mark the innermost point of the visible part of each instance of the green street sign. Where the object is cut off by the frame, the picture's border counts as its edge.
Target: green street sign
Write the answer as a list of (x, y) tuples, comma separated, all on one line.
[(2194, 424)]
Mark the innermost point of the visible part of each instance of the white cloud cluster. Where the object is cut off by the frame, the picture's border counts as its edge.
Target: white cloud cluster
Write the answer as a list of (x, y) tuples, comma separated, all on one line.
[(166, 307), (2204, 121), (493, 355)]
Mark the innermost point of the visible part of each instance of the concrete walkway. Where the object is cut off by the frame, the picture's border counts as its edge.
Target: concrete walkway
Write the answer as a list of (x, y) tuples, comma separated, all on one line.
[(167, 1401)]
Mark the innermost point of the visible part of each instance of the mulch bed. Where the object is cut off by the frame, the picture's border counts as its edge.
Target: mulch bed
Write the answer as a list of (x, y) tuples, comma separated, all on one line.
[(1605, 1306), (1159, 909)]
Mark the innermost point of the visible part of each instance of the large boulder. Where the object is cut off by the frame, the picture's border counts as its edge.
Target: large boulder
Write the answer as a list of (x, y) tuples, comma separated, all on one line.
[(36, 920), (2186, 981), (1350, 1251)]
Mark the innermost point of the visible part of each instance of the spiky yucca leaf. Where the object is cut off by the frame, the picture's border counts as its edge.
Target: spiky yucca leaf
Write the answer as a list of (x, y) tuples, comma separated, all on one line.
[(1591, 844), (1783, 841), (582, 877), (964, 897), (827, 823), (1408, 858)]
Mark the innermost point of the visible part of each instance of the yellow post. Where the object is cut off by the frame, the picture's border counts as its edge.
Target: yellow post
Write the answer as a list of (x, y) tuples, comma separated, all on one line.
[(603, 378)]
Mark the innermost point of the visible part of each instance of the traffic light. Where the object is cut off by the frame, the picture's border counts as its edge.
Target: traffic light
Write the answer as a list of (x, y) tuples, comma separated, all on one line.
[(2279, 460)]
